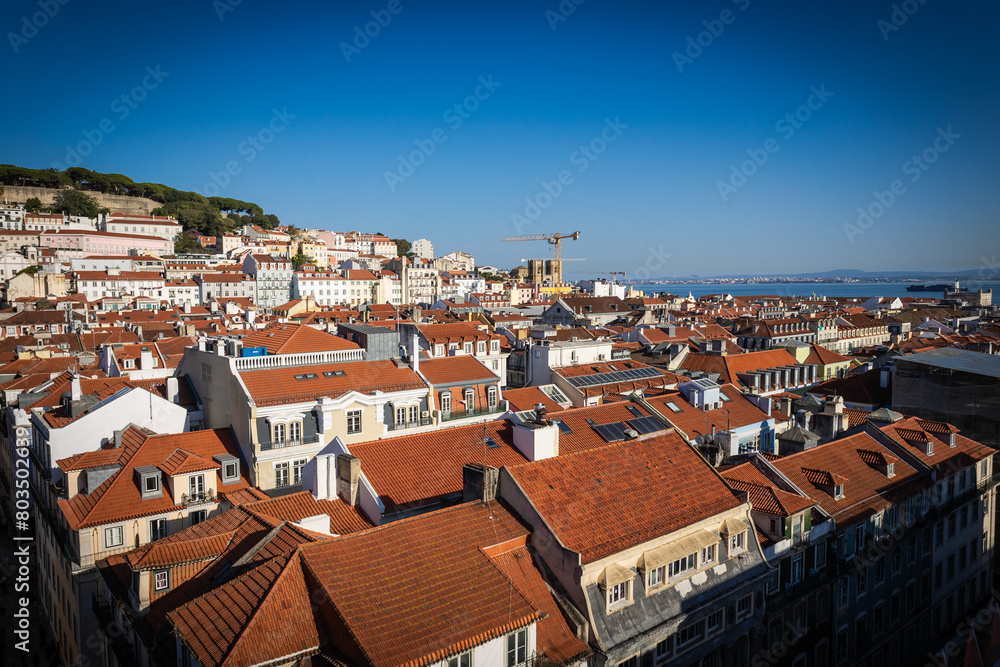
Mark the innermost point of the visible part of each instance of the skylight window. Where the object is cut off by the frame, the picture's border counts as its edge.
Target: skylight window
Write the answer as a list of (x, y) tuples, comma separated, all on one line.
[(673, 407), (491, 443), (725, 399), (563, 426), (333, 374)]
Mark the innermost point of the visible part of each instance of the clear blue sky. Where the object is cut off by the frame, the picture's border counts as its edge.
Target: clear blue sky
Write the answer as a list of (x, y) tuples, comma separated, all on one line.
[(656, 185)]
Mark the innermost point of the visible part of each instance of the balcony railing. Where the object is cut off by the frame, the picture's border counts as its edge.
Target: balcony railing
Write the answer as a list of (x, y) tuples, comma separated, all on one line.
[(466, 414), (398, 426), (202, 498), (291, 442)]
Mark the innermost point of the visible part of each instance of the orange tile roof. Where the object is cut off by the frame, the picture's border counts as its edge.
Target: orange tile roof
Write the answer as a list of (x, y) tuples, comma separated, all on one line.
[(160, 554), (603, 501), (278, 386), (418, 470), (821, 356), (526, 398), (460, 368), (456, 594), (763, 494), (735, 413), (344, 519), (866, 489), (181, 462), (450, 333), (296, 338), (118, 498), (729, 366), (554, 638), (911, 430)]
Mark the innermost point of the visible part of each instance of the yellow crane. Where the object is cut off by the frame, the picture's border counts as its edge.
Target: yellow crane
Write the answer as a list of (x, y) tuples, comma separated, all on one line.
[(553, 239)]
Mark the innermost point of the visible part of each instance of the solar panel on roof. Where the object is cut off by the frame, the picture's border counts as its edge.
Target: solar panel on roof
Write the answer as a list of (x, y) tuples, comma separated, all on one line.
[(611, 432), (645, 425)]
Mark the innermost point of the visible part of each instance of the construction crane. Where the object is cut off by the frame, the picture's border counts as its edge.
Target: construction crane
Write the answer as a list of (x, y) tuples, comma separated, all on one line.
[(554, 239)]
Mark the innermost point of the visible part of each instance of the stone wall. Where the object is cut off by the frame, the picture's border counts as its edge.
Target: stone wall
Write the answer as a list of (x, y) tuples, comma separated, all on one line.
[(117, 203)]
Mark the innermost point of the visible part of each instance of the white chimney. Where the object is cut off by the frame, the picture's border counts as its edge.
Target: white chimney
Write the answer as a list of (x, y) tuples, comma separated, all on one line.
[(317, 524), (537, 441), (414, 353), (75, 393), (172, 389)]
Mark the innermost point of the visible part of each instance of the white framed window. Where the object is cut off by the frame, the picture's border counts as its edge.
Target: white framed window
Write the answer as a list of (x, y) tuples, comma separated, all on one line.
[(114, 537), (707, 555), (297, 467), (161, 580), (655, 577), (295, 432), (446, 402), (281, 474), (618, 594), (230, 471), (517, 648), (491, 397), (738, 542), (196, 484), (470, 400), (150, 484), (461, 660), (414, 413), (353, 422), (400, 416), (744, 606), (157, 529), (198, 517), (278, 434), (681, 566)]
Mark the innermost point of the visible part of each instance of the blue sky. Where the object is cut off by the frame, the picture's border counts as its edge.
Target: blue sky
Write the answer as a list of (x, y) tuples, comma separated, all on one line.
[(656, 195)]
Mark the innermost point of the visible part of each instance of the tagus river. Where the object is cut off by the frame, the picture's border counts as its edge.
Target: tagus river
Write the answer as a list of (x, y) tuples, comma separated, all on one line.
[(857, 290)]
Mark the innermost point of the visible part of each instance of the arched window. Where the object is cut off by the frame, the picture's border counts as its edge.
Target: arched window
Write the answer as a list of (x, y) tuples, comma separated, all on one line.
[(491, 397), (400, 416), (279, 434), (470, 400), (446, 402), (295, 432)]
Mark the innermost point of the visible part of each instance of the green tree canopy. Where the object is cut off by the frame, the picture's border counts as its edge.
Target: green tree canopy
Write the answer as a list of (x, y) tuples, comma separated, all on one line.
[(75, 202), (33, 205), (301, 259)]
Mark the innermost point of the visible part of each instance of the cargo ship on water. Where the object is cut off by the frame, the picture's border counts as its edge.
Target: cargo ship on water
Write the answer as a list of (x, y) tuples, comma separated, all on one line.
[(940, 287)]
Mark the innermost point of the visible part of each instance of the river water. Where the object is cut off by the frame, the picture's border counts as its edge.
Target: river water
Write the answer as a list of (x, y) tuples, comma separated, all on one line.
[(861, 290)]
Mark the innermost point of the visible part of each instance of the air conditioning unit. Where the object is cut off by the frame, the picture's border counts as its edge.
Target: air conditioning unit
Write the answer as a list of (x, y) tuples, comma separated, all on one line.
[(425, 414)]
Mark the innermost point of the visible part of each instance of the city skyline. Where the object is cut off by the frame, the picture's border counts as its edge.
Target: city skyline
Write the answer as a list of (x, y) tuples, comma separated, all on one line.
[(764, 129)]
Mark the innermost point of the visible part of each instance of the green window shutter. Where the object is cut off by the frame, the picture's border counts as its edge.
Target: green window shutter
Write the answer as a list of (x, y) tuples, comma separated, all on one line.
[(788, 527), (808, 521)]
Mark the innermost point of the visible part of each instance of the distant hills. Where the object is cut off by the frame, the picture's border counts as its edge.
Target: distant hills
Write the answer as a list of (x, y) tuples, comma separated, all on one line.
[(984, 273)]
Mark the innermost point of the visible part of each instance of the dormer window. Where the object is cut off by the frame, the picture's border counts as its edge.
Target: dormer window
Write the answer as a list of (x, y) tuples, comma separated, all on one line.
[(148, 479), (230, 468), (150, 484), (838, 491), (890, 470), (737, 543)]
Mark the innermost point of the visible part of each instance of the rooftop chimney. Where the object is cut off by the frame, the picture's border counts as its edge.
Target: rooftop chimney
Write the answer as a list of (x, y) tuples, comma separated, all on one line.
[(348, 475), (75, 393), (479, 482), (172, 389)]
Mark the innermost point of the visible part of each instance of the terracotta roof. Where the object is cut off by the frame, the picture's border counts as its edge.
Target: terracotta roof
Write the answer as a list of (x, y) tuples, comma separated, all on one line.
[(554, 638), (417, 470), (603, 501), (458, 596), (118, 498), (160, 554), (450, 333), (527, 397), (296, 338), (460, 368), (344, 519), (181, 462), (764, 496), (821, 356), (729, 366), (866, 489), (912, 430), (735, 413), (279, 386)]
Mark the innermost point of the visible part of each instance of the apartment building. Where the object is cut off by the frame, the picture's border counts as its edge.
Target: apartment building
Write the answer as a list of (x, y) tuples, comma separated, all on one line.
[(678, 583), (274, 279), (163, 226)]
